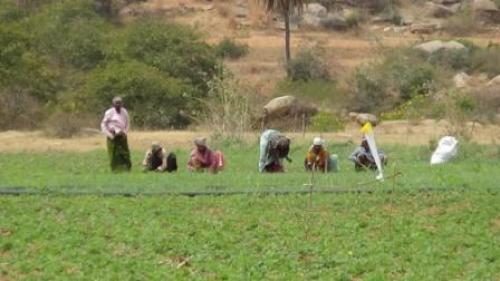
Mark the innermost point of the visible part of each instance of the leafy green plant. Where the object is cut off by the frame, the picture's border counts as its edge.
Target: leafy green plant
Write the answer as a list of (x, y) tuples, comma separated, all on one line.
[(326, 122), (175, 50), (154, 99), (461, 23), (309, 64), (227, 48)]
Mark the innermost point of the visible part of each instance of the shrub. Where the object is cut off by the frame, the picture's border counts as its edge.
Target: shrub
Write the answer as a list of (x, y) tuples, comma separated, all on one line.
[(399, 77), (21, 70), (454, 59), (486, 60), (355, 18), (227, 112), (19, 110), (326, 122), (461, 23), (320, 92), (64, 124), (371, 93), (70, 32), (154, 100), (227, 48), (308, 64)]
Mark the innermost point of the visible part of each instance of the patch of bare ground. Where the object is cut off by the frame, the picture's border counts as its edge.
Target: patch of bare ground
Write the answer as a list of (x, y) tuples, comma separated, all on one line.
[(390, 132)]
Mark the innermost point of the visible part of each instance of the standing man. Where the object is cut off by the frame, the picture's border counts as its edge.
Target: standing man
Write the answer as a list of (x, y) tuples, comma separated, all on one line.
[(115, 126)]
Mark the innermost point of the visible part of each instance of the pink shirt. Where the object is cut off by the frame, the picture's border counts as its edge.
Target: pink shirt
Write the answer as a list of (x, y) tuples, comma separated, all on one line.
[(114, 120)]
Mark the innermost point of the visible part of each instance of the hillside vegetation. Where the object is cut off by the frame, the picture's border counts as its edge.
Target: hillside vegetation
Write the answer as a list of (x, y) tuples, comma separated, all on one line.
[(64, 57), (178, 63)]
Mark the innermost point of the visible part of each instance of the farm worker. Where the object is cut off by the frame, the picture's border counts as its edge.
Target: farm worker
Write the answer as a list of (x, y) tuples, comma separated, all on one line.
[(157, 159), (319, 159), (115, 126), (363, 158), (202, 158), (273, 148)]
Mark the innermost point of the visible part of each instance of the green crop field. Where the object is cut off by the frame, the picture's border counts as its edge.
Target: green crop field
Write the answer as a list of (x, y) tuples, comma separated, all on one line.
[(451, 232)]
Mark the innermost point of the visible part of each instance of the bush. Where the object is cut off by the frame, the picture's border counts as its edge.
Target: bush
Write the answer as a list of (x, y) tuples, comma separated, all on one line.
[(399, 77), (461, 23), (320, 92), (227, 48), (63, 56), (21, 70), (228, 111), (19, 110), (175, 50), (71, 33), (326, 122), (486, 60), (454, 59), (65, 125), (154, 100), (308, 64)]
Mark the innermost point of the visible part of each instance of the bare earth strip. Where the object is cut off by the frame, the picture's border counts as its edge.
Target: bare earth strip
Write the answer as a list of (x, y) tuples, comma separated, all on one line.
[(393, 132)]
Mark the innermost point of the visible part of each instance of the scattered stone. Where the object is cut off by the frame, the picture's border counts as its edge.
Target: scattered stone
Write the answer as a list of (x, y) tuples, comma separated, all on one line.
[(363, 118), (484, 5), (461, 80), (240, 12), (281, 25), (310, 20), (486, 11), (334, 22), (424, 28), (438, 10), (208, 7), (447, 2), (436, 45), (315, 9), (495, 81)]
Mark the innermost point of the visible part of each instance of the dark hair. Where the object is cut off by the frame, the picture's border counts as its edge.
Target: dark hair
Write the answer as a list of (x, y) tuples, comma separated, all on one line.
[(283, 147)]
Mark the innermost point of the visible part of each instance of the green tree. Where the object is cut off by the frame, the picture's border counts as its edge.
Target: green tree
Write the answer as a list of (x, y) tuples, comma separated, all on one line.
[(154, 99), (176, 50)]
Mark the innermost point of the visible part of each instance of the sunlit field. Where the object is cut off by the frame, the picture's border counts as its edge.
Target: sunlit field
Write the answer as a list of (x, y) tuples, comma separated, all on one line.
[(429, 223)]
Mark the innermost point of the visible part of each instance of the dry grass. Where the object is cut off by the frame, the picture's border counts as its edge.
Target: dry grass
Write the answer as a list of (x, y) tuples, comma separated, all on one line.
[(391, 132)]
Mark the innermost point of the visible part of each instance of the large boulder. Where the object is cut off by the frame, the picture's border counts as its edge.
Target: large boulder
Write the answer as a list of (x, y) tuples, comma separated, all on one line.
[(363, 118), (424, 28), (334, 22), (287, 106), (280, 105), (495, 81), (310, 20), (486, 11), (438, 10), (316, 10), (438, 45), (484, 5), (461, 80), (447, 2)]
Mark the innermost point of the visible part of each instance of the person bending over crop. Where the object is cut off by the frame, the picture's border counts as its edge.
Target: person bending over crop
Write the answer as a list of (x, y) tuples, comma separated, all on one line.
[(274, 147), (202, 158), (115, 126), (363, 158), (157, 159), (319, 159)]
